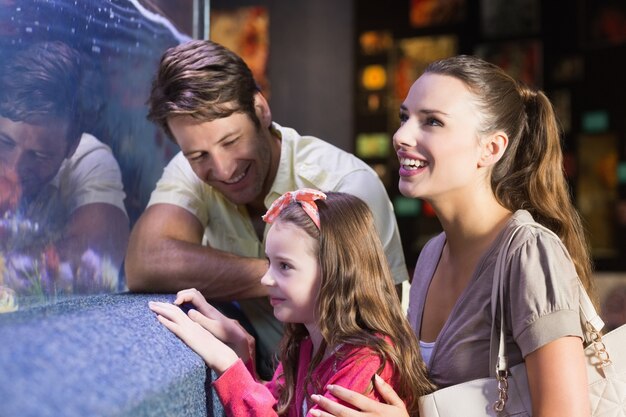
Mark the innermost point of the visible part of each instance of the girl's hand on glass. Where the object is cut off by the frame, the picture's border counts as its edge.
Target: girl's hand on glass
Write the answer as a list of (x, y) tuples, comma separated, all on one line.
[(364, 406), (214, 352), (225, 329)]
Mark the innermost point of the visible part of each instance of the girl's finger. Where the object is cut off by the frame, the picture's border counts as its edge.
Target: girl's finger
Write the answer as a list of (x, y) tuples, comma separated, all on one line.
[(208, 310), (209, 324), (169, 311), (185, 296), (170, 325), (156, 306)]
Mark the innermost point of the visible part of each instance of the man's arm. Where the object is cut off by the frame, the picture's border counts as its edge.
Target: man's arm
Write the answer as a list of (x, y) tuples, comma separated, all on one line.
[(165, 254), (101, 227)]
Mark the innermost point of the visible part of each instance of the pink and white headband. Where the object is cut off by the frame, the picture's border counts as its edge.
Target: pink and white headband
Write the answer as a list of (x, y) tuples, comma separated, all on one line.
[(305, 197)]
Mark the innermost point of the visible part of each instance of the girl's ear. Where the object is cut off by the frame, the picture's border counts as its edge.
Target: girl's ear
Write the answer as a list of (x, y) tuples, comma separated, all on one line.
[(262, 109), (493, 148)]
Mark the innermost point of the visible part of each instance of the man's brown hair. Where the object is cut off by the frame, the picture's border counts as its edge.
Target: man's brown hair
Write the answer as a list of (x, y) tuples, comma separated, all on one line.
[(204, 80)]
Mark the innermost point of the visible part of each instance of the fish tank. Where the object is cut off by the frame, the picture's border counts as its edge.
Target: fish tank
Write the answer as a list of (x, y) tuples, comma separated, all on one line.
[(78, 157)]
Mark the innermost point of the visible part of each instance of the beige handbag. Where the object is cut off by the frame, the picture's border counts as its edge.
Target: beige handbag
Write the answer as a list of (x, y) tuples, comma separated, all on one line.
[(505, 392)]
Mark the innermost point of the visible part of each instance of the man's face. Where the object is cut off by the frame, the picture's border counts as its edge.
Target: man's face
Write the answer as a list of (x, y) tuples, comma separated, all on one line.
[(31, 154), (230, 154)]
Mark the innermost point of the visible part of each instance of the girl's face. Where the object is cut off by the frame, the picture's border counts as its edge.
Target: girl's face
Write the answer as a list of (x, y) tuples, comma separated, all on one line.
[(293, 278), (437, 142)]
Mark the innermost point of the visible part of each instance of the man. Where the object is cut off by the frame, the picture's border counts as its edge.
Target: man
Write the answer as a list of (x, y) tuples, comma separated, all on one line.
[(53, 175), (203, 225)]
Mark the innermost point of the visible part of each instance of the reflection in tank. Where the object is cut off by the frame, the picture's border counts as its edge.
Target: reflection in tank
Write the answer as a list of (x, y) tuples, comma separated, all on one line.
[(78, 158)]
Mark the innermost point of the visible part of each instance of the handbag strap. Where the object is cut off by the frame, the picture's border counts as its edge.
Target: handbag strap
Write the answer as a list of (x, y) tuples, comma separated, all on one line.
[(497, 342)]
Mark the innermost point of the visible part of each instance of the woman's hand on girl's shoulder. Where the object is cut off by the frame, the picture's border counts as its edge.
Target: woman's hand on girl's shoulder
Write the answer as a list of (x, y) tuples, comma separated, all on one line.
[(363, 406)]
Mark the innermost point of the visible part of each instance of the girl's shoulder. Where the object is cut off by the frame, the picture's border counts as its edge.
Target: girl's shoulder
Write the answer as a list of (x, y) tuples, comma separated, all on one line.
[(362, 357), (360, 350)]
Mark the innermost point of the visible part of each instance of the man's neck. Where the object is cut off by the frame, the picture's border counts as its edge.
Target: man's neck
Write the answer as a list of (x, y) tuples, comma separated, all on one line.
[(255, 212), (257, 208), (275, 147), (258, 205)]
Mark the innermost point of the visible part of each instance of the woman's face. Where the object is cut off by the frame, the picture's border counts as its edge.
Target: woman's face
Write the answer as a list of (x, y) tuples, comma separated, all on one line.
[(437, 143)]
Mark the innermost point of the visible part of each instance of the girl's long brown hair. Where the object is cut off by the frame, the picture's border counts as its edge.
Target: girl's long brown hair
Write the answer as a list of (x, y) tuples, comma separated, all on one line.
[(357, 302)]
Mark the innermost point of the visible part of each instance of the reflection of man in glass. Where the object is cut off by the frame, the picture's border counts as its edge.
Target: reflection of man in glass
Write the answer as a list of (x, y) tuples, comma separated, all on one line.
[(60, 188)]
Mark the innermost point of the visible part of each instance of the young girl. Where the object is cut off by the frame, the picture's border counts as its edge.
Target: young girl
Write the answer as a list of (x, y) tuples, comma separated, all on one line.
[(484, 151), (328, 281)]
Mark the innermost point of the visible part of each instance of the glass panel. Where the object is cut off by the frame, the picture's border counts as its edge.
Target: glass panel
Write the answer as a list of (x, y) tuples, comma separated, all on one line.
[(78, 158)]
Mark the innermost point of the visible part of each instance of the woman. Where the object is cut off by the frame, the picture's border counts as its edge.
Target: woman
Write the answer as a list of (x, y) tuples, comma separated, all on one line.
[(484, 151)]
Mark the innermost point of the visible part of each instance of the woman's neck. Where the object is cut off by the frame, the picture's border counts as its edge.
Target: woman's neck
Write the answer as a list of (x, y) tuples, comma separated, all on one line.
[(472, 224)]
